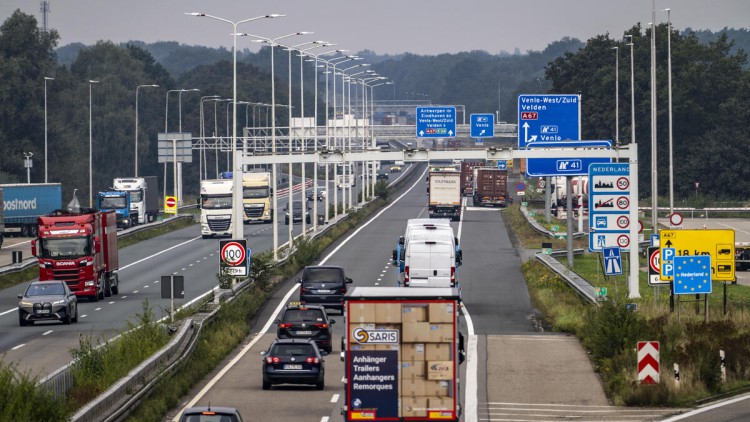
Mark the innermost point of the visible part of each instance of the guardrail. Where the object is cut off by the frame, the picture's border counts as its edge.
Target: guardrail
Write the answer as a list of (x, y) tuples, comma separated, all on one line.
[(540, 229)]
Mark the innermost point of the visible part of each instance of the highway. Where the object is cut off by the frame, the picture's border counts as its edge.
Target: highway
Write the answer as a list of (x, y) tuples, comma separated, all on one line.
[(45, 346), (512, 371)]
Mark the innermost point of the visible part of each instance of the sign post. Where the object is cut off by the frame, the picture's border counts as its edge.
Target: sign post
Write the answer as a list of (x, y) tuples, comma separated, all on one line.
[(172, 286)]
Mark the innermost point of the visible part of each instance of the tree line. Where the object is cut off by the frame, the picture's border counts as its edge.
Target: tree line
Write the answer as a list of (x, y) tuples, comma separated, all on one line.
[(710, 86)]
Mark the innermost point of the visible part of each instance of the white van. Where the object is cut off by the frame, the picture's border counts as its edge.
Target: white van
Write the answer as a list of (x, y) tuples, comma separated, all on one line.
[(429, 260), (414, 224)]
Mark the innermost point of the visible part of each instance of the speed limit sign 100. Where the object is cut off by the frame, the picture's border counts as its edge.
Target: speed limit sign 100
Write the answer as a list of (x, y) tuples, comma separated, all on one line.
[(233, 254)]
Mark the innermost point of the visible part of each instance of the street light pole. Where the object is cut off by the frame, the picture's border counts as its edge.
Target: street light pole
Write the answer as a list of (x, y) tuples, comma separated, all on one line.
[(46, 78), (669, 83), (177, 166), (632, 93), (201, 153), (654, 172), (237, 226), (91, 143), (272, 43), (136, 124), (617, 96)]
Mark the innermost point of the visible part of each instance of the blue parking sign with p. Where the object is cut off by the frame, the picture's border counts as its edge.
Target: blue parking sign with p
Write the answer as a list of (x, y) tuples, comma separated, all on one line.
[(667, 262)]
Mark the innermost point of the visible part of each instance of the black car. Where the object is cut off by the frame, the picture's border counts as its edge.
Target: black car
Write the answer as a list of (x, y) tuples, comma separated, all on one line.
[(293, 361), (211, 414), (323, 285), (47, 300), (297, 211), (309, 322), (382, 176), (321, 194)]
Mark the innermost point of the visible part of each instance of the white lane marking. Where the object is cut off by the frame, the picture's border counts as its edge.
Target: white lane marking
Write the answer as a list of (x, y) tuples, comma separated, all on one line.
[(181, 270), (278, 309), (9, 311), (377, 284), (135, 291), (707, 408), (324, 419), (159, 253), (112, 302), (156, 281), (123, 297), (335, 398), (145, 287), (98, 309), (47, 332), (18, 347), (84, 316), (470, 399)]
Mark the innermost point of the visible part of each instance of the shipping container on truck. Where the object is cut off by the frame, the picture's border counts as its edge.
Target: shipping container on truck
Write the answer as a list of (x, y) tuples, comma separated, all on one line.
[(144, 197), (79, 248), (444, 194), (491, 187), (24, 202), (467, 176), (402, 352)]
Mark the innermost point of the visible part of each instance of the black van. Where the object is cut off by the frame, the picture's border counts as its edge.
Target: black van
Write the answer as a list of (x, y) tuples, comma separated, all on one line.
[(323, 285)]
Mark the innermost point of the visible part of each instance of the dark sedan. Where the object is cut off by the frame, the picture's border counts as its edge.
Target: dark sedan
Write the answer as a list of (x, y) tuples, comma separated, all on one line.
[(306, 322), (293, 361), (45, 301)]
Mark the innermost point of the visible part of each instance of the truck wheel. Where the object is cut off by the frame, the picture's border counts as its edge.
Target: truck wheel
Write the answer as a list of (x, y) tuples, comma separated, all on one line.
[(94, 298), (116, 285), (24, 231), (107, 287)]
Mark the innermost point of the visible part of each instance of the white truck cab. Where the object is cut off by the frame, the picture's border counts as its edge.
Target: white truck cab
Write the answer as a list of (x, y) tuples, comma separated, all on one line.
[(216, 208)]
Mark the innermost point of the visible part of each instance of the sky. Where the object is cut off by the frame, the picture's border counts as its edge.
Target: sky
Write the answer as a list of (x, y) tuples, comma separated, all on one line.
[(425, 27)]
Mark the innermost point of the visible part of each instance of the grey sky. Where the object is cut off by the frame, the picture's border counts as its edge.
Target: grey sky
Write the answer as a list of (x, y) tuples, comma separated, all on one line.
[(386, 26)]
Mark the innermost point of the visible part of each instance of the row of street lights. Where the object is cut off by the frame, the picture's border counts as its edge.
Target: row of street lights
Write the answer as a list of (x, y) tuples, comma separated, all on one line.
[(237, 167)]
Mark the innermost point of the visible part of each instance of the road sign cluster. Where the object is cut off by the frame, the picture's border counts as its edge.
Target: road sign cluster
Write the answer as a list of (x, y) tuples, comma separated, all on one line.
[(609, 206)]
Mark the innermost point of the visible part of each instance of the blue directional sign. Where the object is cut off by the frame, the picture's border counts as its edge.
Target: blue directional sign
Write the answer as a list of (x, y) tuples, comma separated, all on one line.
[(692, 274), (612, 261), (436, 122), (548, 118), (482, 125), (502, 165), (539, 167), (609, 206)]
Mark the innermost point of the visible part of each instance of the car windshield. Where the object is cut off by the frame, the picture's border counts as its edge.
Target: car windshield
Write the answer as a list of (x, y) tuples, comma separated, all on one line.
[(296, 205), (254, 192), (69, 247), (322, 275), (113, 202), (303, 315), (45, 289), (216, 202), (292, 350)]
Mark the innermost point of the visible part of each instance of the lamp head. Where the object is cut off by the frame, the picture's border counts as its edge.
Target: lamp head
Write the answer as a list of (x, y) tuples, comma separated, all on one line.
[(195, 14)]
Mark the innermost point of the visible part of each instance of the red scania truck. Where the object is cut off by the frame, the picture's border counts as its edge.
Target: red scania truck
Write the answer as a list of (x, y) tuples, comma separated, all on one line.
[(79, 248)]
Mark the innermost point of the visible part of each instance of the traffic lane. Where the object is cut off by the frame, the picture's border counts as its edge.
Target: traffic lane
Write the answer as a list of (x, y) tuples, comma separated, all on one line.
[(196, 259), (240, 381), (493, 289), (284, 402), (11, 244)]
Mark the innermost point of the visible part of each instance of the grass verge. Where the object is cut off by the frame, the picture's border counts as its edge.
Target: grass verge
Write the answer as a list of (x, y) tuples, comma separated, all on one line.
[(610, 332)]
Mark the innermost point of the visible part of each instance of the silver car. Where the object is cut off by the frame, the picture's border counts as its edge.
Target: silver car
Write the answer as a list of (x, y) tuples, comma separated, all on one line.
[(47, 300)]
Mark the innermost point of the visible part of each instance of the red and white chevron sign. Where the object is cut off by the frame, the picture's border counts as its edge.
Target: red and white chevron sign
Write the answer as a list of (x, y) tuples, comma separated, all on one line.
[(648, 362)]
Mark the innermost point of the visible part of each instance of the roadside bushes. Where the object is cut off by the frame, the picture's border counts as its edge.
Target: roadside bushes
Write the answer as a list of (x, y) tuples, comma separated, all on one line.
[(22, 400)]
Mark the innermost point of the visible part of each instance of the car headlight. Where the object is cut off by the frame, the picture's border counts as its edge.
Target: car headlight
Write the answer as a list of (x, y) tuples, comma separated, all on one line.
[(287, 214), (59, 302), (24, 303)]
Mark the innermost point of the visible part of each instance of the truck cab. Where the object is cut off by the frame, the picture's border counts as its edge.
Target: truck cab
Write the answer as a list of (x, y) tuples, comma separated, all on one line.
[(216, 208), (256, 197), (144, 197), (119, 202)]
